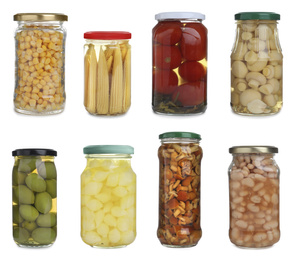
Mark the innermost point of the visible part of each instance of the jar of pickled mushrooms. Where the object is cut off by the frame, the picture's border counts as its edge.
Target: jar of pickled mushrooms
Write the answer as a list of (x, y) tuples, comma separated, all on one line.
[(34, 197), (107, 72), (256, 65), (40, 58), (254, 196), (179, 66), (179, 189), (108, 197)]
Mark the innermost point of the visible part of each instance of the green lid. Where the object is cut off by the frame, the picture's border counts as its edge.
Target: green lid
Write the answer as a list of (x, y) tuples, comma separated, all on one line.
[(180, 135), (257, 16), (108, 149)]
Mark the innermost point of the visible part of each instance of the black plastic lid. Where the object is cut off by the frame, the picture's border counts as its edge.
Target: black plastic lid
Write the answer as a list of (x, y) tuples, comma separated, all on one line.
[(257, 16), (34, 152)]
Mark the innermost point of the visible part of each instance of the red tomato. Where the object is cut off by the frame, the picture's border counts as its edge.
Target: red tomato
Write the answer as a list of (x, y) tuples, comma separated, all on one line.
[(194, 41), (192, 71), (167, 33), (166, 57), (164, 81), (190, 94)]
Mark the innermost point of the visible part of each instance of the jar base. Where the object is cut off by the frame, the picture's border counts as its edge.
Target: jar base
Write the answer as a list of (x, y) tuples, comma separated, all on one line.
[(109, 247), (33, 113), (34, 246), (178, 246)]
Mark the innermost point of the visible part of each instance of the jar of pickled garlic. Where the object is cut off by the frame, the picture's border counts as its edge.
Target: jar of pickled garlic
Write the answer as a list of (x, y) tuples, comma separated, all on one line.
[(179, 189), (34, 182), (107, 72), (254, 196), (179, 64), (108, 197), (256, 65), (40, 58)]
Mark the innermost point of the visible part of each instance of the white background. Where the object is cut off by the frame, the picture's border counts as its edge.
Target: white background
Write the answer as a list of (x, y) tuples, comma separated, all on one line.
[(220, 129)]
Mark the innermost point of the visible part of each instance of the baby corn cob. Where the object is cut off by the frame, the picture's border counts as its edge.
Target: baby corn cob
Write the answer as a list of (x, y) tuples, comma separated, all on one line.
[(127, 81), (102, 85), (116, 91), (86, 77), (92, 81)]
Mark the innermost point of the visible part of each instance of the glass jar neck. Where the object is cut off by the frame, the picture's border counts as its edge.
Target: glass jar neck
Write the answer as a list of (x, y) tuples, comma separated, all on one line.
[(272, 22), (104, 42), (40, 23), (179, 140), (254, 154), (109, 156)]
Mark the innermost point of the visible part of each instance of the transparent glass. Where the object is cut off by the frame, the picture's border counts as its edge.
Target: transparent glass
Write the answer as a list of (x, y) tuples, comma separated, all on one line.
[(107, 73), (254, 200), (40, 68), (108, 201), (179, 67), (256, 69), (179, 192), (34, 190)]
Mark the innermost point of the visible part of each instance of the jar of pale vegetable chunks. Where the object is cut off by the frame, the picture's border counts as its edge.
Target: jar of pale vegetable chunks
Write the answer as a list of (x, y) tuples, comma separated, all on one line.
[(40, 58), (34, 197), (256, 65), (179, 189), (108, 197), (254, 196), (107, 72)]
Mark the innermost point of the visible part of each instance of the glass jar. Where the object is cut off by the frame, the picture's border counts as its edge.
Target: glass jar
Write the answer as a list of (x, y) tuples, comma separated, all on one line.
[(39, 68), (34, 182), (256, 65), (107, 72), (108, 197), (179, 189), (254, 196), (179, 64)]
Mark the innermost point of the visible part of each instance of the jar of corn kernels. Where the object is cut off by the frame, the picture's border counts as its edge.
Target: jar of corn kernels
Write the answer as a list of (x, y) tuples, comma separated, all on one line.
[(254, 196), (40, 59)]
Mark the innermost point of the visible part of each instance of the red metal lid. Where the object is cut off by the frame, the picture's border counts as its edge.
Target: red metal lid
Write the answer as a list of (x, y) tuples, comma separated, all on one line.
[(107, 35)]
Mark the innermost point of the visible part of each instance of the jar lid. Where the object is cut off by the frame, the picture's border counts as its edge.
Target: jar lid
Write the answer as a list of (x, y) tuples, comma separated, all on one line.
[(257, 16), (179, 15), (108, 149), (34, 152), (253, 149), (40, 17), (107, 35), (180, 135)]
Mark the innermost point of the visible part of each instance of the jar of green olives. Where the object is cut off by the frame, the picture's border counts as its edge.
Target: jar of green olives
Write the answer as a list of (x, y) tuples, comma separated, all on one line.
[(34, 197)]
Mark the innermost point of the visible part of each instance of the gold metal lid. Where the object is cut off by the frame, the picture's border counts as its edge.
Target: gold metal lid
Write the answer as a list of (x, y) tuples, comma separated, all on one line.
[(253, 149), (40, 17)]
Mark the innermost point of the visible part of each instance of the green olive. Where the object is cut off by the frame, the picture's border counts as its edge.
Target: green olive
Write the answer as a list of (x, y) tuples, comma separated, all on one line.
[(52, 188), (16, 217), (43, 202), (35, 183), (47, 170), (27, 165), (20, 235), (46, 220), (28, 212), (30, 226), (23, 195), (18, 178), (44, 236)]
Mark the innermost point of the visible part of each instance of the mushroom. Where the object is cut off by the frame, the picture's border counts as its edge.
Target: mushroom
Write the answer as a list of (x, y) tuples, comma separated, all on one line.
[(256, 106), (258, 77), (239, 69), (269, 72), (270, 100), (239, 51), (251, 57), (266, 89), (275, 84), (278, 72), (258, 65), (255, 44), (249, 95)]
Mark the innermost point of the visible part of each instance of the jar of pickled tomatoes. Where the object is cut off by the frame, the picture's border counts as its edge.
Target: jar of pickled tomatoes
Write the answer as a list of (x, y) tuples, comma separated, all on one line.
[(179, 64), (108, 197)]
